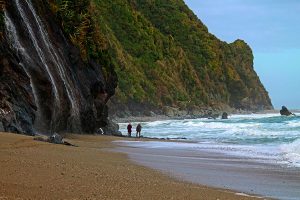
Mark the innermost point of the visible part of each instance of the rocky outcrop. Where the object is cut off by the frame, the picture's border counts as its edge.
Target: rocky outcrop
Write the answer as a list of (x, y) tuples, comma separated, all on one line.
[(59, 61), (225, 115), (169, 58), (45, 86), (112, 128), (17, 104), (284, 111), (54, 139), (173, 112)]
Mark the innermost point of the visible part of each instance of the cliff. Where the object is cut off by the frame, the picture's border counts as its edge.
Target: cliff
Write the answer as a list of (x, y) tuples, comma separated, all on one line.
[(164, 56), (45, 86), (61, 62)]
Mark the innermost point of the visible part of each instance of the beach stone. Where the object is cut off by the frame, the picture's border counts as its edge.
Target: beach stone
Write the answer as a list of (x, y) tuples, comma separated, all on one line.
[(56, 139), (225, 115), (284, 111)]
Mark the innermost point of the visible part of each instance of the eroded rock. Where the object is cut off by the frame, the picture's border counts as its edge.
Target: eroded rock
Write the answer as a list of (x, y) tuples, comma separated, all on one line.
[(111, 128), (56, 92), (225, 115), (56, 139), (284, 111)]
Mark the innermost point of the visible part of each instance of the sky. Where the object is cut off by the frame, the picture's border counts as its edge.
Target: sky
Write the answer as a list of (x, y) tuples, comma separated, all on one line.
[(272, 29)]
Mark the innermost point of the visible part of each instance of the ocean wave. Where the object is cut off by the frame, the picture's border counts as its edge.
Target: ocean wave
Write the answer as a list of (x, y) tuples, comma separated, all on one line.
[(294, 124), (291, 152), (253, 116), (268, 136)]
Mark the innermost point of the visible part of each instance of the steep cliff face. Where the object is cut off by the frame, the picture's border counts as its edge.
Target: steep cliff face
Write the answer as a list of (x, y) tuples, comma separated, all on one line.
[(60, 61), (207, 71), (45, 85), (224, 70), (164, 56)]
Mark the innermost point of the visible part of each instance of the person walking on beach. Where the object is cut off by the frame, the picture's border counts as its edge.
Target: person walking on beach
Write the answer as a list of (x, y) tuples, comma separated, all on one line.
[(138, 130), (129, 129)]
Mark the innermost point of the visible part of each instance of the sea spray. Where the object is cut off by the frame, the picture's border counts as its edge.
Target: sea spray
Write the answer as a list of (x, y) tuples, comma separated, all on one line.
[(291, 152), (266, 137)]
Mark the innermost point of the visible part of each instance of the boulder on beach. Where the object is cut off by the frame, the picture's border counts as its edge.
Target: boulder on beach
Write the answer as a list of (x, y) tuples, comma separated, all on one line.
[(284, 111), (56, 139), (111, 128), (225, 115)]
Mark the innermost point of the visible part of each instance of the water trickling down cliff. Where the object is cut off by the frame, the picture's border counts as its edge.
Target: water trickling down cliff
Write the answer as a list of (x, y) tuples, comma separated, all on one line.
[(45, 86), (164, 56), (60, 61)]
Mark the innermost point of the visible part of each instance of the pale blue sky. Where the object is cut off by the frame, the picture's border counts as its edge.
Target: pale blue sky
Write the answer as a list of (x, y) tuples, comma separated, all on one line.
[(272, 29)]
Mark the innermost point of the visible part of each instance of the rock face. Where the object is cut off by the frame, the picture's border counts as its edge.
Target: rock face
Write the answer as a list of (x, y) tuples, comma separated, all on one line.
[(285, 111), (172, 60), (45, 86), (59, 62), (225, 115), (54, 139), (1, 127), (17, 104), (112, 128)]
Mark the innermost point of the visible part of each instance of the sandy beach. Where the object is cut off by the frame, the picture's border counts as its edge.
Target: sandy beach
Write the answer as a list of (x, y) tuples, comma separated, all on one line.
[(38, 170), (216, 169)]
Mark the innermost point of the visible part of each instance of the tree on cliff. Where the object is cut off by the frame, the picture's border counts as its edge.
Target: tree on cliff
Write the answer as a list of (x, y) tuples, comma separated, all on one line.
[(164, 55)]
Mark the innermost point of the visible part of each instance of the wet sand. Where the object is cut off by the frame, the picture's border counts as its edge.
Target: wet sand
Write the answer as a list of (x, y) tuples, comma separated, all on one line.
[(219, 170), (36, 170)]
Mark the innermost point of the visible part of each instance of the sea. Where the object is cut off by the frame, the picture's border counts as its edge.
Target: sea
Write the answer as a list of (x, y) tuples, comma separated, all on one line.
[(265, 138)]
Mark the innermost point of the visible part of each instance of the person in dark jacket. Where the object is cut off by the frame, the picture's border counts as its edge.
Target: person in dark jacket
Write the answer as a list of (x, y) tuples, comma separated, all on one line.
[(138, 130), (129, 129)]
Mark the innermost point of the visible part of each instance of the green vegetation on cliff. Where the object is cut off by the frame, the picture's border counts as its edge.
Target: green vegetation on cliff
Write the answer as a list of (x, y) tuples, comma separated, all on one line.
[(162, 53)]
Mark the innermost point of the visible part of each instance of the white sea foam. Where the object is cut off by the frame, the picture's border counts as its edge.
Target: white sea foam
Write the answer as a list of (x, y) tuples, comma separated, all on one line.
[(265, 137), (253, 116), (294, 124), (292, 152)]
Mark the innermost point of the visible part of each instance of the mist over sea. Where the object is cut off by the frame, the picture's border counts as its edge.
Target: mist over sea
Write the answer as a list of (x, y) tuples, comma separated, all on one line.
[(266, 138)]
